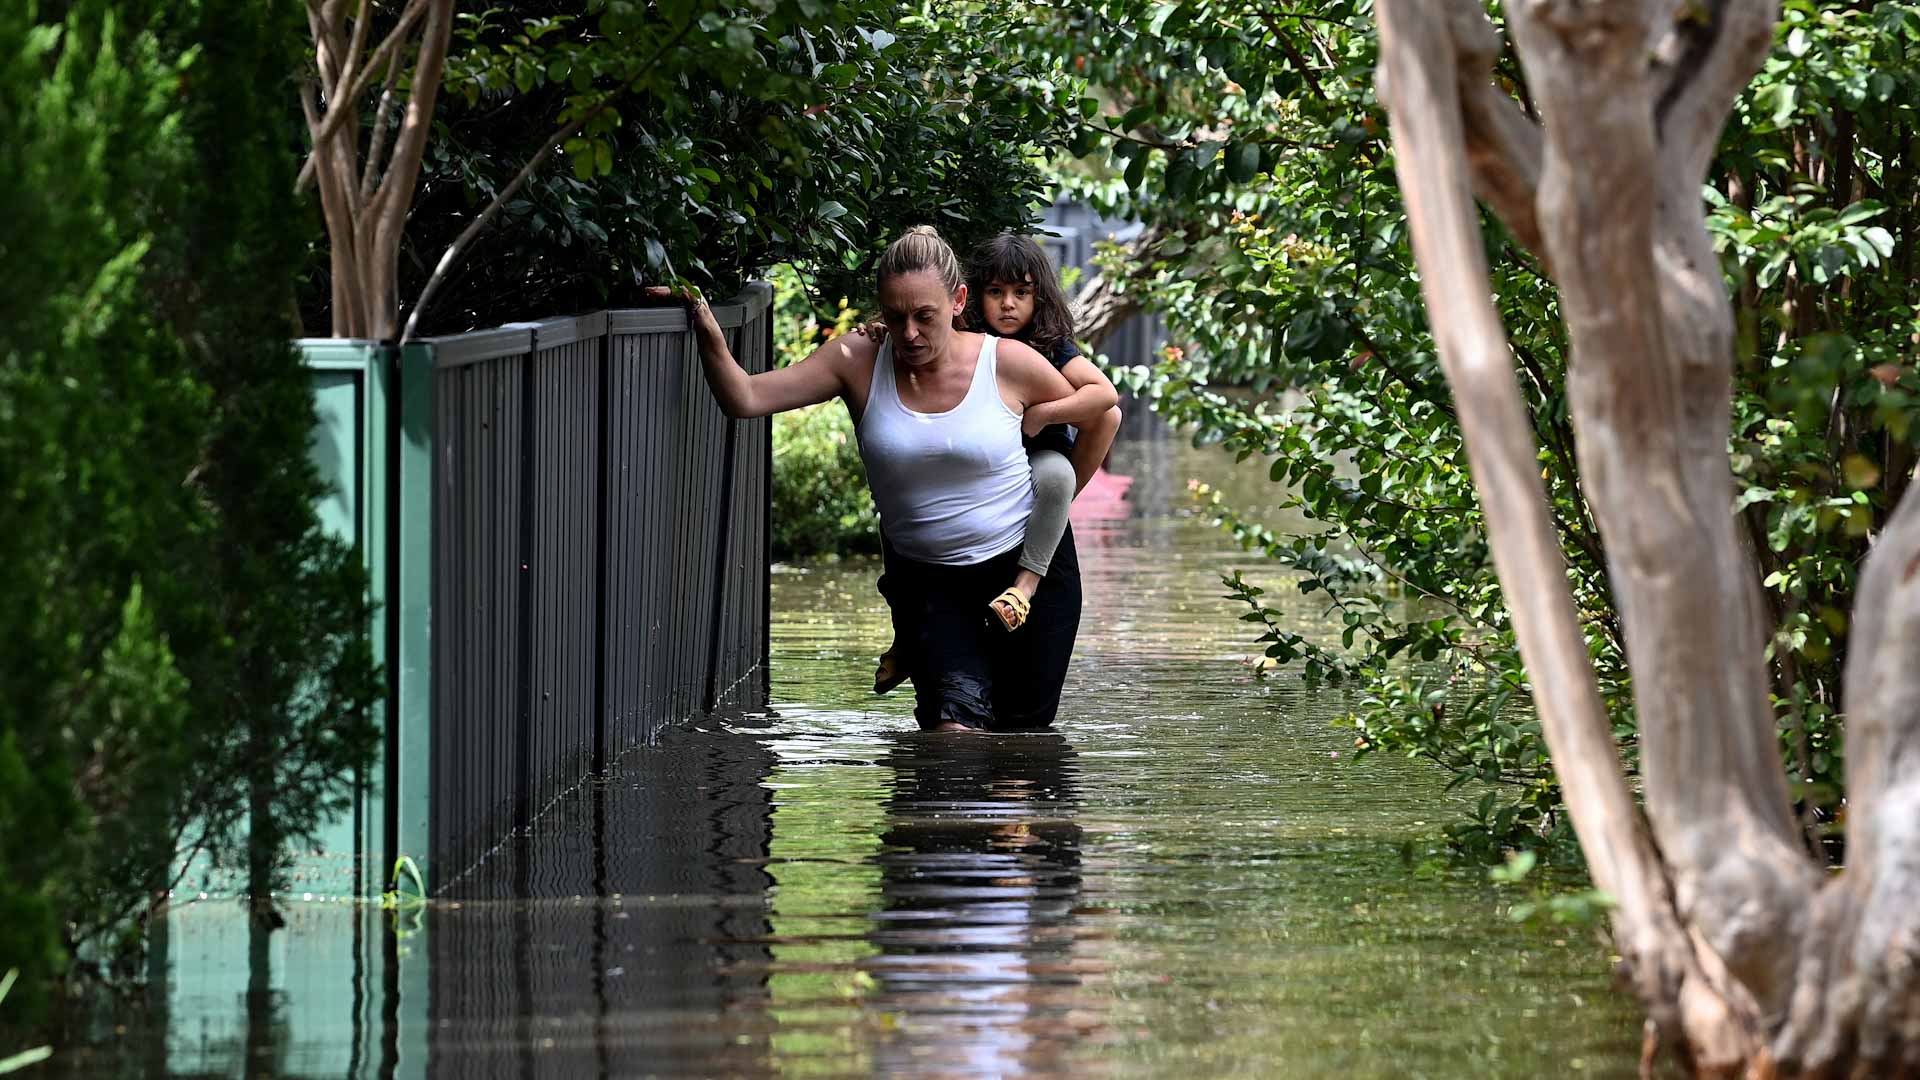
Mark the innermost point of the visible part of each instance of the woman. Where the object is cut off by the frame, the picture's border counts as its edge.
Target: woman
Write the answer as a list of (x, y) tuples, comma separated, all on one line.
[(939, 415)]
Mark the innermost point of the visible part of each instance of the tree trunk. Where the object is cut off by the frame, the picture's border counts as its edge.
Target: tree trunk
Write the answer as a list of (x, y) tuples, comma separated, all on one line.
[(1747, 960), (1106, 301), (365, 216)]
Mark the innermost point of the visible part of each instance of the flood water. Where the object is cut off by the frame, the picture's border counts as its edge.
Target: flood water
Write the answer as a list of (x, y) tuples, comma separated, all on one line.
[(1188, 877)]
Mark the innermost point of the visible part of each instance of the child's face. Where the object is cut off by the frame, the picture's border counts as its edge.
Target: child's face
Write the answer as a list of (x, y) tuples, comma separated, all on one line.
[(1008, 306)]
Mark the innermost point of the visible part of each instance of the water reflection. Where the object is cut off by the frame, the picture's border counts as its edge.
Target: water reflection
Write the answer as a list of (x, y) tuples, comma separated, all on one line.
[(980, 880), (622, 930), (1189, 879)]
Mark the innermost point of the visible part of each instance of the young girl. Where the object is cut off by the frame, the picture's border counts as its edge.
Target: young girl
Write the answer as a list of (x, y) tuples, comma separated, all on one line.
[(1015, 292)]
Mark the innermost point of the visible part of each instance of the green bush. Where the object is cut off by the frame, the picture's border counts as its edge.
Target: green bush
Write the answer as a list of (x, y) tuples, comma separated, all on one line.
[(1282, 267), (780, 132), (821, 503), (187, 667)]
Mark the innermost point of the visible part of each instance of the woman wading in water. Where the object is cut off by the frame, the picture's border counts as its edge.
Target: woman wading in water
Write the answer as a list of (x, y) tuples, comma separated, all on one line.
[(939, 413)]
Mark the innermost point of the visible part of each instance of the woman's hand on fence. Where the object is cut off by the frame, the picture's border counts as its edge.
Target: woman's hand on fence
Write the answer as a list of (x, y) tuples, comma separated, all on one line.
[(699, 314)]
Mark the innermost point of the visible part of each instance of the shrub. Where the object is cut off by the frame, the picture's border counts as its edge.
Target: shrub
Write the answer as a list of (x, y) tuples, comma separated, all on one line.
[(186, 664), (821, 503)]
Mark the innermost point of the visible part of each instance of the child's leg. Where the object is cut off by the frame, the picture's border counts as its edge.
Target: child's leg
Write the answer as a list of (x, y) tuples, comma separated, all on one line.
[(1054, 484)]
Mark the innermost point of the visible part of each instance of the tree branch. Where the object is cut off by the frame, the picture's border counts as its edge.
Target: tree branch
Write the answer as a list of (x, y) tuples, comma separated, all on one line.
[(1705, 59), (486, 215), (1503, 146), (382, 121), (341, 212), (1293, 55), (355, 47), (388, 207), (343, 103), (1105, 301)]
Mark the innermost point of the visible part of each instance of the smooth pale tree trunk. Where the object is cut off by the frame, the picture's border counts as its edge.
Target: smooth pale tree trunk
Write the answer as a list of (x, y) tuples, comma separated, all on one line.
[(1751, 960), (365, 197)]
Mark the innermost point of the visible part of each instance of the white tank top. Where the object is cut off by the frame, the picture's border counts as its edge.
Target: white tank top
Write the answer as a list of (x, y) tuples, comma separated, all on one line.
[(952, 488)]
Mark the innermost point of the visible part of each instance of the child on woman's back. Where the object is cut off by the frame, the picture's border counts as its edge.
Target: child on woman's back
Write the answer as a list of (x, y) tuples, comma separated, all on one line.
[(1013, 291)]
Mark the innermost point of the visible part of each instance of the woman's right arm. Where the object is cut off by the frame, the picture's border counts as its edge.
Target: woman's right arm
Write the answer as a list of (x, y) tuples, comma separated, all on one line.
[(822, 376)]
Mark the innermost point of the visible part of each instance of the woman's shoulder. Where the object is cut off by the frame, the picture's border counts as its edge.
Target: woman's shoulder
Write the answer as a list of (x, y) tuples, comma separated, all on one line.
[(857, 346)]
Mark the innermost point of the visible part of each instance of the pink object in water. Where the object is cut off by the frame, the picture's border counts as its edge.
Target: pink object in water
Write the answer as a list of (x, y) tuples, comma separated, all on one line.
[(1103, 499)]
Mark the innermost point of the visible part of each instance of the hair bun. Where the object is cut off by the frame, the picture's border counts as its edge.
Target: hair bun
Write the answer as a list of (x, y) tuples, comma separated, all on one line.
[(920, 248)]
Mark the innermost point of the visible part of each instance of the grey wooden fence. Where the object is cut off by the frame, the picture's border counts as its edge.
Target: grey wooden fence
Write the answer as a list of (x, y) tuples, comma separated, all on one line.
[(600, 562), (569, 544)]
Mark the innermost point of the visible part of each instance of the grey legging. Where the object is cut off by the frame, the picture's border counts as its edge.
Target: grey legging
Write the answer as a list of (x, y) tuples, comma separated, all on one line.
[(1054, 485)]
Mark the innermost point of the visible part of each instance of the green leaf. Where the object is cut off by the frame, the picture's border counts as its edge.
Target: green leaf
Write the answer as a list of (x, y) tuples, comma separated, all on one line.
[(1864, 210), (1243, 162), (25, 1058), (1157, 22), (1181, 176)]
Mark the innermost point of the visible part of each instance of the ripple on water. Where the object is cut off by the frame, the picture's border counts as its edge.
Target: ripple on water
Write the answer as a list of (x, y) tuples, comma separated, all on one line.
[(1185, 879)]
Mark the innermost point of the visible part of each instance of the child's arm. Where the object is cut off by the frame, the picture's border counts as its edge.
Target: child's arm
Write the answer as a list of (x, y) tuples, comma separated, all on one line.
[(1093, 394), (1091, 445)]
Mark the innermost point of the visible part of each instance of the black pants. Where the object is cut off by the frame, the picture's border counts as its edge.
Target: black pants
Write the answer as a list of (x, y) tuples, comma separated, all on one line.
[(966, 667)]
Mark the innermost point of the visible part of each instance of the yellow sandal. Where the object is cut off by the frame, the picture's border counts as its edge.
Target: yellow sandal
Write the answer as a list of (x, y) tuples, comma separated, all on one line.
[(1014, 614)]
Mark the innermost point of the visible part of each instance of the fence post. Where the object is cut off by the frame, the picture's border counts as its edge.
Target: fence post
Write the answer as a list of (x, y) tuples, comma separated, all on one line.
[(407, 829), (523, 726), (722, 552), (603, 482)]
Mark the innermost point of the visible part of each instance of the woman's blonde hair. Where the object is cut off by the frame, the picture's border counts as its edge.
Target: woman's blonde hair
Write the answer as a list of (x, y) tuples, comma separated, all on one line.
[(921, 248)]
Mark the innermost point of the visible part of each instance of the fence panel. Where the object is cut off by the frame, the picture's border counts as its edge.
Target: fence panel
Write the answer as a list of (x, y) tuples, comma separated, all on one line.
[(564, 374), (479, 590), (568, 542), (599, 556)]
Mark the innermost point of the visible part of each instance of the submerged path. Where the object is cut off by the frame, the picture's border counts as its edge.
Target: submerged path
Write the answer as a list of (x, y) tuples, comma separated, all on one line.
[(1188, 878)]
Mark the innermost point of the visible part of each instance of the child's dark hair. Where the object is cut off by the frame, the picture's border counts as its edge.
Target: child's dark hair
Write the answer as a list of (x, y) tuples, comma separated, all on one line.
[(1015, 260)]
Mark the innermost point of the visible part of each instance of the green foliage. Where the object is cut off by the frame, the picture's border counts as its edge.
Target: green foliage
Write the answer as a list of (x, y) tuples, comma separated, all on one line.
[(15, 1062), (821, 504), (1565, 907), (739, 137), (186, 648), (408, 889), (1254, 142)]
